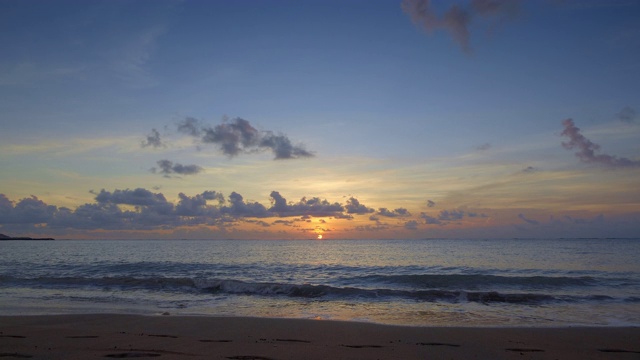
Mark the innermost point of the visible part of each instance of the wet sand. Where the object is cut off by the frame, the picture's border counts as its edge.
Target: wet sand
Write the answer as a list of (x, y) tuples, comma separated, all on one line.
[(171, 337)]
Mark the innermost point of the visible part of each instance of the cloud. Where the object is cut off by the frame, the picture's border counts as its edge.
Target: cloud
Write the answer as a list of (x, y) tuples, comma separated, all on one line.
[(305, 207), (197, 205), (456, 19), (282, 147), (446, 216), (189, 126), (399, 212), (627, 114), (153, 140), (411, 225), (430, 203), (430, 220), (353, 206), (528, 221), (29, 210), (142, 209), (453, 215), (587, 149), (238, 136), (136, 197), (483, 147), (167, 168), (529, 169), (240, 208)]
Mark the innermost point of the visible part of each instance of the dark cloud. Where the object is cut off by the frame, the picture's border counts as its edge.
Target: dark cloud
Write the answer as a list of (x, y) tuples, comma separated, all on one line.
[(240, 208), (142, 209), (29, 210), (238, 136), (197, 205), (474, 215), (446, 216), (282, 147), (305, 207), (453, 215), (285, 222), (528, 221), (430, 220), (258, 222), (167, 168), (153, 140), (233, 138), (627, 114), (411, 225), (483, 147), (370, 228), (353, 206), (399, 212), (456, 19), (136, 197), (587, 149), (529, 169)]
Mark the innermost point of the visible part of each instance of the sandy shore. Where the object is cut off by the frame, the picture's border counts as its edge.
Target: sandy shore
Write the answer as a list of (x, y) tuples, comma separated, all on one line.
[(169, 337)]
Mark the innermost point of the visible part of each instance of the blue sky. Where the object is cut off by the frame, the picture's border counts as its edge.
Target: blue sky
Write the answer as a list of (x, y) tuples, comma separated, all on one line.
[(449, 111)]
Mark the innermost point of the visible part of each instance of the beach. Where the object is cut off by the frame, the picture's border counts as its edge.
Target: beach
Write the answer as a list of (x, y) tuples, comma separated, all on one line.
[(181, 337)]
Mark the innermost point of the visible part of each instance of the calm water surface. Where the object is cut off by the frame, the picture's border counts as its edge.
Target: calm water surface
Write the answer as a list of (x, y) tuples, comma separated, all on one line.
[(427, 282)]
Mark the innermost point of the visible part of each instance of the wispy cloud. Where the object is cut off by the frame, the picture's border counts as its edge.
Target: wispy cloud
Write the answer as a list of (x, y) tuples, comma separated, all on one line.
[(238, 136), (153, 140), (627, 114), (166, 168), (587, 150), (130, 63), (456, 19), (527, 220)]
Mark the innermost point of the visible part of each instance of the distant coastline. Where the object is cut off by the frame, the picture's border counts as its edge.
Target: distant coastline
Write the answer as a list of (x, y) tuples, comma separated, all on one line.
[(5, 237)]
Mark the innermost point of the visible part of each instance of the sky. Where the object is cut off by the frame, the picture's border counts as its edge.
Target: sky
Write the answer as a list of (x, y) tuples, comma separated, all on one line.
[(291, 119)]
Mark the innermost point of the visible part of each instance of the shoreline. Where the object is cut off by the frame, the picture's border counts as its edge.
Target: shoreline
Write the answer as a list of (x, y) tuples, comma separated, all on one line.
[(177, 337)]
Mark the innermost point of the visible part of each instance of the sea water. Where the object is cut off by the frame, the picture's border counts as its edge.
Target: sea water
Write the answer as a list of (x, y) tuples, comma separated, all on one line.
[(491, 282)]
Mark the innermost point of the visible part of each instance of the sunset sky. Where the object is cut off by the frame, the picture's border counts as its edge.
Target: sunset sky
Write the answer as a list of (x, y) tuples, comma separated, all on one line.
[(293, 118)]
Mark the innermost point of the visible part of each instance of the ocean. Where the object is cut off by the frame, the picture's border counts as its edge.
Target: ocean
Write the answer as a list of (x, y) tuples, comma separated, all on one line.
[(491, 282)]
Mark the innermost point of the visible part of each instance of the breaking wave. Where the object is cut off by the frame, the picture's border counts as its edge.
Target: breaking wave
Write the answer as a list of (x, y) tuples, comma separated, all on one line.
[(427, 288)]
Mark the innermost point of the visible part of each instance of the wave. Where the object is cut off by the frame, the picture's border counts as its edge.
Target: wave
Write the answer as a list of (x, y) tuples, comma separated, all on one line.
[(104, 282), (330, 292), (474, 281), (435, 288)]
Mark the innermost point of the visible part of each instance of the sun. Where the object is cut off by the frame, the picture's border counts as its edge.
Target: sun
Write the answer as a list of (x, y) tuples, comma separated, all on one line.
[(319, 236)]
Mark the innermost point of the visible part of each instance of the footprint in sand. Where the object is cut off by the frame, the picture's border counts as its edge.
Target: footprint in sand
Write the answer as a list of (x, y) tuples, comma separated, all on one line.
[(215, 341), (164, 336), (82, 337), (524, 350), (131, 355), (437, 344), (619, 351), (294, 340), (362, 346)]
